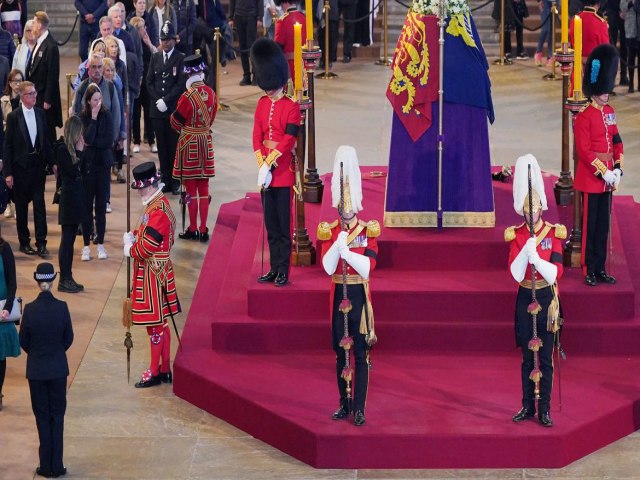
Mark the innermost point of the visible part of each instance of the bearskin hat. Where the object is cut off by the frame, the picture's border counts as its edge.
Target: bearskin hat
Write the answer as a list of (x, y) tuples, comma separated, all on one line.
[(600, 70), (269, 65)]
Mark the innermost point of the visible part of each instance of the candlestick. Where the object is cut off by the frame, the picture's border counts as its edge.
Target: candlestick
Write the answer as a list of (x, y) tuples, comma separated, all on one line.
[(309, 17), (297, 57), (577, 55), (564, 21)]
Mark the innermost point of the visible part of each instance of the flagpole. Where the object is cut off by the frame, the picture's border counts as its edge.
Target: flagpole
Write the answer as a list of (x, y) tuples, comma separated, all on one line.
[(441, 24)]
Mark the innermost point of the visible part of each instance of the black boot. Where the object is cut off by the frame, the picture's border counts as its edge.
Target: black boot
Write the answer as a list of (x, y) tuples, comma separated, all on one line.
[(67, 286), (342, 412), (524, 414), (545, 419), (358, 419), (631, 75)]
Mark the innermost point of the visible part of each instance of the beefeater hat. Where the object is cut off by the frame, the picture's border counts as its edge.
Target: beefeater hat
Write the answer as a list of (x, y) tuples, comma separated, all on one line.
[(521, 186), (270, 67), (352, 179), (600, 70)]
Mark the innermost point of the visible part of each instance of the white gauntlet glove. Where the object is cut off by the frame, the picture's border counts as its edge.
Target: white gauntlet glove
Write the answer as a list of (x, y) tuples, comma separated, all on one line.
[(262, 175), (618, 173)]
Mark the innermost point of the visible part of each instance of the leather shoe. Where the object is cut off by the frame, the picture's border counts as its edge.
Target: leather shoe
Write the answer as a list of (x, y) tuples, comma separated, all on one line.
[(152, 382), (166, 377), (61, 473), (67, 286), (340, 414), (43, 473), (523, 414), (346, 59), (281, 280), (358, 419), (545, 419), (42, 251), (604, 277), (189, 235), (27, 250), (204, 236), (79, 286), (590, 279), (268, 277), (245, 81)]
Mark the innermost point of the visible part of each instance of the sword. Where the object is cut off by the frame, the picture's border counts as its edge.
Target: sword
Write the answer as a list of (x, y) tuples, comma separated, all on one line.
[(173, 321)]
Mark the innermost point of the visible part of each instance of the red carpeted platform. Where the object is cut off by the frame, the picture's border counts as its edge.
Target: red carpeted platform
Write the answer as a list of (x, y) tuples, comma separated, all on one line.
[(445, 377)]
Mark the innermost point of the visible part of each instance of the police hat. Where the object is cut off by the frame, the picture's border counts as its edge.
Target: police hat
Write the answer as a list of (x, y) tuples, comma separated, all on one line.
[(44, 273), (144, 175), (600, 70), (168, 31), (269, 65), (194, 64)]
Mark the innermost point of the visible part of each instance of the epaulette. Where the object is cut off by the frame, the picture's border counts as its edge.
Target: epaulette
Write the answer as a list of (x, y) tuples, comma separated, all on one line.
[(324, 230), (373, 228), (509, 233), (560, 230), (283, 16)]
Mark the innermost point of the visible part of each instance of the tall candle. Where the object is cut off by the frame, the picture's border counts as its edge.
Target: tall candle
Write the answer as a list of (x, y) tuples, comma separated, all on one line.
[(297, 57), (577, 54), (309, 17), (564, 21)]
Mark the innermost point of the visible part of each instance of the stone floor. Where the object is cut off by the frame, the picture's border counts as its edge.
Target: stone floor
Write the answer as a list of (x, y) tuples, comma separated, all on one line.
[(114, 431)]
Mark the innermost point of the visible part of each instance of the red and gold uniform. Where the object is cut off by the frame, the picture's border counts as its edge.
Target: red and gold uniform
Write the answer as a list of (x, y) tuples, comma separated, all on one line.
[(595, 31), (152, 268), (284, 34), (549, 239), (194, 161), (599, 148), (192, 119), (153, 292), (363, 240), (275, 130)]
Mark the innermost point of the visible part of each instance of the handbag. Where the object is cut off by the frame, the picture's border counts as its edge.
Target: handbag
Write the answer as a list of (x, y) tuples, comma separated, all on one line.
[(16, 311)]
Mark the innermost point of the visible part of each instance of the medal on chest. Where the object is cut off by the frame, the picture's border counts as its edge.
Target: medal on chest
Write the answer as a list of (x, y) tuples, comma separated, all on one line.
[(609, 119), (546, 244)]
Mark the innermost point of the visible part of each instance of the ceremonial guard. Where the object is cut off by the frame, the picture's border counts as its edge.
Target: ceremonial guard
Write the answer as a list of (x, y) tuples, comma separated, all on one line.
[(165, 84), (535, 262), (595, 30), (275, 130), (153, 291), (194, 162), (600, 160), (349, 252), (284, 30)]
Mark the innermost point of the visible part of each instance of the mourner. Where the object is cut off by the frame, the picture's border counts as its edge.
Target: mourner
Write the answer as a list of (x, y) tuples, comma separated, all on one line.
[(351, 243)]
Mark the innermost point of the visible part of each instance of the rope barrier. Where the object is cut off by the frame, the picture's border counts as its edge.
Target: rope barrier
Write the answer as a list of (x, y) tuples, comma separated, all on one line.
[(61, 44), (515, 17), (488, 2), (367, 15)]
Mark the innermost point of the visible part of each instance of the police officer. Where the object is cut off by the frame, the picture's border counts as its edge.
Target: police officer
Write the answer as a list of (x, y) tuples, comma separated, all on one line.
[(165, 84)]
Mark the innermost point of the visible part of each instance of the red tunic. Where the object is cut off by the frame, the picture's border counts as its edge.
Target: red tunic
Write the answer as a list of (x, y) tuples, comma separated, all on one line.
[(193, 117), (549, 245), (152, 268), (598, 146), (284, 34), (275, 130), (362, 239), (595, 31)]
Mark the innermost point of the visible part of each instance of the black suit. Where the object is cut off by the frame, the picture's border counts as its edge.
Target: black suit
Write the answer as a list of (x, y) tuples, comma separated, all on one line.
[(45, 335), (167, 82), (27, 164), (43, 70)]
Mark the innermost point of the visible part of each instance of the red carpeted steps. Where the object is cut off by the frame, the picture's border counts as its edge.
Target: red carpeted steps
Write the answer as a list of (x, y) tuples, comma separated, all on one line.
[(446, 375)]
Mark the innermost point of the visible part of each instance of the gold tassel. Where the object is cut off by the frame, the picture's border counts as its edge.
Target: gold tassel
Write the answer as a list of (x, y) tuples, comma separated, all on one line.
[(127, 317)]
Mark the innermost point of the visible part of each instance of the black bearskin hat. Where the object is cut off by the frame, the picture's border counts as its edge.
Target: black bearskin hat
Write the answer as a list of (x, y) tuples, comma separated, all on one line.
[(600, 70), (269, 65)]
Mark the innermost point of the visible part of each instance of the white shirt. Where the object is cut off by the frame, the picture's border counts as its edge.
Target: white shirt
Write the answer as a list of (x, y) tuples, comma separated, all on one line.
[(167, 55), (41, 39), (30, 119)]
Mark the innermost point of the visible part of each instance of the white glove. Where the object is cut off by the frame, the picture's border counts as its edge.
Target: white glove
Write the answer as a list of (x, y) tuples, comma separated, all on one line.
[(262, 174), (548, 270), (330, 259), (341, 241), (618, 173), (519, 265), (127, 249), (609, 177), (344, 251), (267, 181), (128, 238), (530, 247), (161, 106), (358, 262)]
